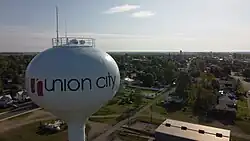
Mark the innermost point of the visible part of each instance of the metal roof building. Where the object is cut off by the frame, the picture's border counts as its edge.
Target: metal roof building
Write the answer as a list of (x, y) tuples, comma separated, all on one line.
[(183, 131)]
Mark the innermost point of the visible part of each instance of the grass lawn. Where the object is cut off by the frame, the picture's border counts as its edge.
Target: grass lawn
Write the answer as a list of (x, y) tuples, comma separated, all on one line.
[(159, 113), (243, 111), (114, 108), (243, 116), (179, 115), (237, 139), (4, 110), (146, 118), (108, 120), (155, 109), (111, 109), (244, 126), (28, 133), (147, 91)]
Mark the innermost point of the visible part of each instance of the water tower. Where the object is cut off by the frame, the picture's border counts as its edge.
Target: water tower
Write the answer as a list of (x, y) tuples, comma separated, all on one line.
[(72, 80)]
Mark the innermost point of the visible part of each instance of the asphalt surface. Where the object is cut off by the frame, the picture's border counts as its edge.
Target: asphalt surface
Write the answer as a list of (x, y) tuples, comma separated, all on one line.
[(104, 136)]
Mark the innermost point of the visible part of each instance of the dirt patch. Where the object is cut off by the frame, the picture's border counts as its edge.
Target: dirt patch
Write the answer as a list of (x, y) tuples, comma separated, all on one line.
[(97, 128), (36, 116), (144, 126), (41, 115)]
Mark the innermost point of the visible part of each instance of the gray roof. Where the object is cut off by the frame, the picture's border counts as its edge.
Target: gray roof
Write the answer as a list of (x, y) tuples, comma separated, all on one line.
[(193, 131)]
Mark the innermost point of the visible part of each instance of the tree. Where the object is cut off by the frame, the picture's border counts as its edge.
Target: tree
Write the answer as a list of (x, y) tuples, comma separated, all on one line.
[(183, 82), (246, 73), (239, 87), (148, 80), (195, 74), (138, 99), (200, 64), (216, 71), (207, 80), (227, 70), (205, 99), (192, 96), (168, 75), (215, 84)]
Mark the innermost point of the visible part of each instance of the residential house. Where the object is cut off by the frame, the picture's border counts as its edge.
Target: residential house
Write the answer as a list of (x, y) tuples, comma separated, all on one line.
[(226, 107), (5, 101), (227, 83)]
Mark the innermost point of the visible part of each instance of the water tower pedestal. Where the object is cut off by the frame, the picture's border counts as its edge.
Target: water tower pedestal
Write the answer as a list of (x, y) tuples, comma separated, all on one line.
[(76, 131)]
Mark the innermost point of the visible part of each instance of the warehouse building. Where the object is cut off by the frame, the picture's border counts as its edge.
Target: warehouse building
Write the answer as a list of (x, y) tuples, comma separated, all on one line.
[(174, 130)]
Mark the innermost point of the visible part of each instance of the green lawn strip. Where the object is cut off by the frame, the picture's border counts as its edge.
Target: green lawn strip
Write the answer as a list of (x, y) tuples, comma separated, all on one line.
[(237, 139), (243, 125), (108, 120), (242, 113)]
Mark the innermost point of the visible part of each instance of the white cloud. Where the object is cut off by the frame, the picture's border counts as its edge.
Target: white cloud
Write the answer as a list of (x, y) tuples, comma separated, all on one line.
[(122, 8), (143, 14)]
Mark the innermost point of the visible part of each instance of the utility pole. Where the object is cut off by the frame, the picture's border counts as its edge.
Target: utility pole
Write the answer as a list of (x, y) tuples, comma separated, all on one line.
[(66, 36), (151, 115)]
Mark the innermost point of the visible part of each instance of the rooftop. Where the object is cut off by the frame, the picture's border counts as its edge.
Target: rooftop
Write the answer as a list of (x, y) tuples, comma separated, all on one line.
[(193, 131)]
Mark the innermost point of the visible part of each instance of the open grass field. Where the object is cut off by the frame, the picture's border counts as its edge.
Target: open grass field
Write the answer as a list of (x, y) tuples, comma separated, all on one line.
[(114, 107), (243, 110), (108, 120)]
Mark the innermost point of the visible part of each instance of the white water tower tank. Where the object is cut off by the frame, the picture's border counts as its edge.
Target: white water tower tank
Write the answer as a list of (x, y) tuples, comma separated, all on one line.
[(72, 81)]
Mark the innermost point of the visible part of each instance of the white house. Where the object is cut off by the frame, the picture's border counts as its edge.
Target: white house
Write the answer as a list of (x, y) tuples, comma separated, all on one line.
[(22, 96)]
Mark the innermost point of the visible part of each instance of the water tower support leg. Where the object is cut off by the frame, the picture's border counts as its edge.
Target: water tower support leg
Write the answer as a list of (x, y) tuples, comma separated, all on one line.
[(76, 131)]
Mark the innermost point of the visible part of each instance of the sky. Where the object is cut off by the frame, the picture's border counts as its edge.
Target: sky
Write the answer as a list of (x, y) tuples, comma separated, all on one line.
[(128, 25)]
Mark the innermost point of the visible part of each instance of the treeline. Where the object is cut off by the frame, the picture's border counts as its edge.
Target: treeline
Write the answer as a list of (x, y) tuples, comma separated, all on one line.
[(12, 72)]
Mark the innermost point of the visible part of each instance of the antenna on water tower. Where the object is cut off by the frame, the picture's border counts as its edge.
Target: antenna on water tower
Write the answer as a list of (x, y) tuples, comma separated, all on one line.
[(57, 22), (66, 36), (65, 28)]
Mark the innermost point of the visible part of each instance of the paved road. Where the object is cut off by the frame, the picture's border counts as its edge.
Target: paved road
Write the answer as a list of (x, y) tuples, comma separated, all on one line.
[(105, 135)]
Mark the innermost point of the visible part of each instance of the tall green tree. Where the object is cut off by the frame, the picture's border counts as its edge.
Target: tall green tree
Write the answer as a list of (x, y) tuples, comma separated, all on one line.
[(148, 80), (246, 73)]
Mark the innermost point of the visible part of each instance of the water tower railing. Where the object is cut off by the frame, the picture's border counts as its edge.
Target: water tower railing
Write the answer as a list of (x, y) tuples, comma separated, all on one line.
[(73, 41)]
